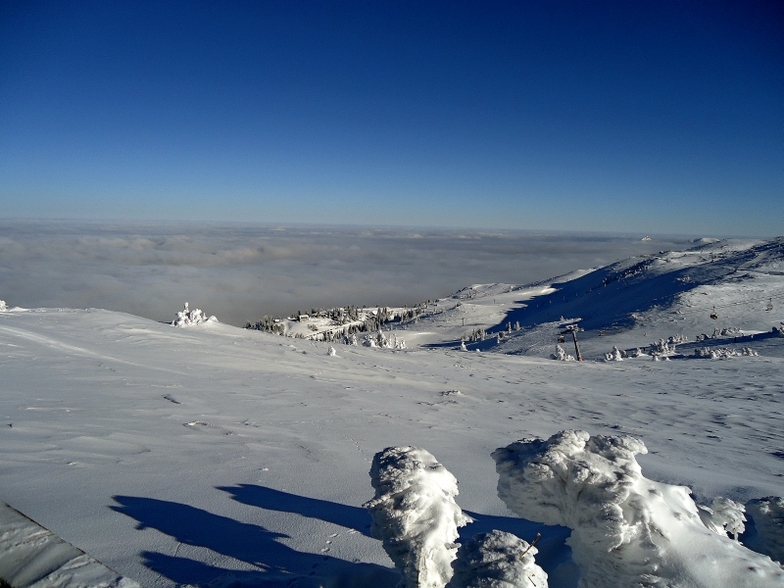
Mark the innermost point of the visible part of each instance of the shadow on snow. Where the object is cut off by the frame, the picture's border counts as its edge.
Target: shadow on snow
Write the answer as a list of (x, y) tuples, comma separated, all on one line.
[(279, 565)]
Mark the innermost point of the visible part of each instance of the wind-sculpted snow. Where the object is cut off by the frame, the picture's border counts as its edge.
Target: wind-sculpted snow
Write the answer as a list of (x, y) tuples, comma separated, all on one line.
[(415, 515), (626, 530), (768, 517), (497, 560)]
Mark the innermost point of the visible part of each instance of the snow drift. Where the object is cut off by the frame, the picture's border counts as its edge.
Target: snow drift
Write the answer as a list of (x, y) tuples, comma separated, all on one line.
[(497, 560), (626, 530), (415, 514)]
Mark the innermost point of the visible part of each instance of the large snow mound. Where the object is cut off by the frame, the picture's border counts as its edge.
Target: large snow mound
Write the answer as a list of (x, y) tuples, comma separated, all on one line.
[(415, 514), (626, 530), (497, 560)]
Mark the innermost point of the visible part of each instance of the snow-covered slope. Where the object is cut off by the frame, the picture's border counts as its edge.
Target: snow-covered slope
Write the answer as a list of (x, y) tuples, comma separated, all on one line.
[(216, 454)]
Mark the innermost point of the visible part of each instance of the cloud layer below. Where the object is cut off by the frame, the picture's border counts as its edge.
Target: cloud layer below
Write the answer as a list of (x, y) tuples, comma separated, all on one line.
[(240, 272)]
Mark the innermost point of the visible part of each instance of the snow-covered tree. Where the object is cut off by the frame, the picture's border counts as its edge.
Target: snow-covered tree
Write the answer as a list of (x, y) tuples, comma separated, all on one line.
[(415, 515), (187, 317), (561, 355)]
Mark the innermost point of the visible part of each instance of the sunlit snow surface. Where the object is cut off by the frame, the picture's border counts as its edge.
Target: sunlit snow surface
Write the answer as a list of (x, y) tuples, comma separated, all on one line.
[(190, 456)]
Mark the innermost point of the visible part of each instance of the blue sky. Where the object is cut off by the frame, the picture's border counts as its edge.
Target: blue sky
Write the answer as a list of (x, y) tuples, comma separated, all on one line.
[(650, 116)]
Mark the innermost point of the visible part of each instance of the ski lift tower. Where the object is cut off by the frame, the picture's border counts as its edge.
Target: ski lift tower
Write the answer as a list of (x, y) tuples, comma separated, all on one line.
[(572, 328)]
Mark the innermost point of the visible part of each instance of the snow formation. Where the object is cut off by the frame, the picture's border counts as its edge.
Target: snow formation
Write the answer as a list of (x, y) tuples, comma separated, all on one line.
[(3, 306), (188, 318), (497, 560), (626, 530), (415, 514)]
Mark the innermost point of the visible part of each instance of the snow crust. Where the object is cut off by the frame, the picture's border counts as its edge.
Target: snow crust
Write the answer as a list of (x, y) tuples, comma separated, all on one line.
[(34, 557), (497, 559), (626, 530), (415, 514)]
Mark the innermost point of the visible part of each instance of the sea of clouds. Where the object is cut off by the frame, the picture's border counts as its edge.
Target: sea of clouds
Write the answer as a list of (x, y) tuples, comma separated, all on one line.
[(241, 272)]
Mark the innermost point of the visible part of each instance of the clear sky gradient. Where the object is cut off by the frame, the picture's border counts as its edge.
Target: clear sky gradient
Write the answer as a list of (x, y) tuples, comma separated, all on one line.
[(650, 116)]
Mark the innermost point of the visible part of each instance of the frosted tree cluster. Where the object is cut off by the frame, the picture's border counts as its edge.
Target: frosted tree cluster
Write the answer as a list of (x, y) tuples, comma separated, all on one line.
[(3, 306), (724, 352), (415, 515), (627, 530), (342, 324), (190, 317), (381, 340)]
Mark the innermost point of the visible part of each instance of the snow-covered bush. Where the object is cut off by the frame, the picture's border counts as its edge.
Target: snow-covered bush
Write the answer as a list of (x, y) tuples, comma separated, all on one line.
[(332, 352), (415, 515), (767, 515), (561, 355), (666, 346), (724, 516), (626, 530), (188, 318), (724, 352), (497, 560), (614, 355), (3, 306)]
